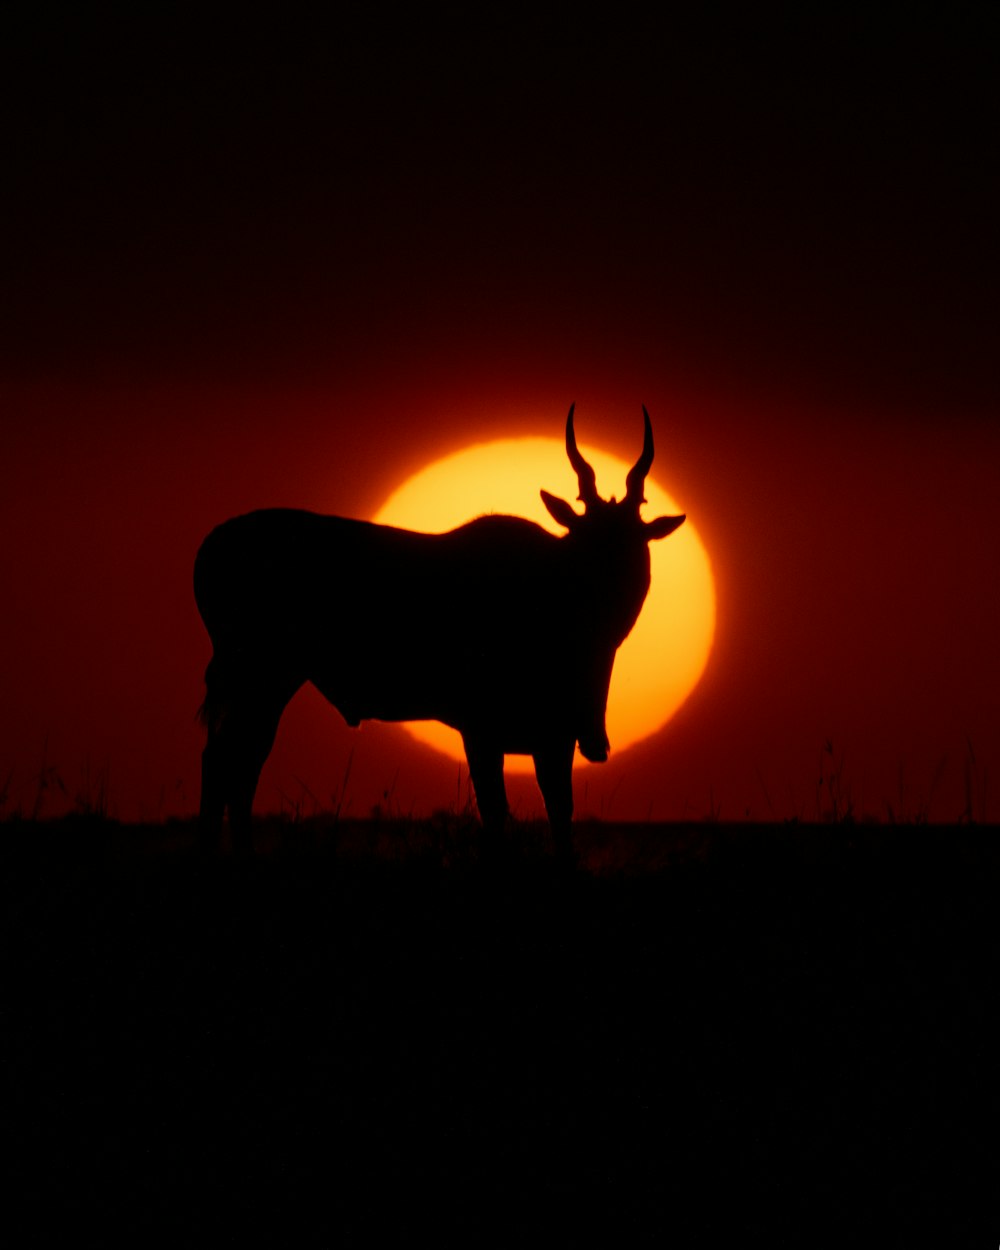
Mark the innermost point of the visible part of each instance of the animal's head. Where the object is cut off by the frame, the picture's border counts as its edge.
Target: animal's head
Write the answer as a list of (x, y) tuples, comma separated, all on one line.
[(612, 539), (609, 543)]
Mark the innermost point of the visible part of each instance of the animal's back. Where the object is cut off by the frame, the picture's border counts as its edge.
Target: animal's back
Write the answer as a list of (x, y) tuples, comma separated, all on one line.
[(270, 566), (278, 572)]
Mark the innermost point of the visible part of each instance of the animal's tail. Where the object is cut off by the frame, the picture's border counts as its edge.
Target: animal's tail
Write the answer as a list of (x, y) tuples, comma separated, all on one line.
[(213, 710)]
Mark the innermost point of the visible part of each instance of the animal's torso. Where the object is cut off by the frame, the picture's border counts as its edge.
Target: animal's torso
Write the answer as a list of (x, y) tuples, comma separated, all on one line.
[(476, 625)]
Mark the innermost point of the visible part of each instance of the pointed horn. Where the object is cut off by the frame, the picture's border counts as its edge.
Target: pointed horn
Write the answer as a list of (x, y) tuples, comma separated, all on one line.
[(637, 474), (585, 475)]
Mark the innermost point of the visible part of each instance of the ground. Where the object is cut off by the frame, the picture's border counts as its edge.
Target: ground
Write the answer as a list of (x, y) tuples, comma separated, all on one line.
[(363, 1032)]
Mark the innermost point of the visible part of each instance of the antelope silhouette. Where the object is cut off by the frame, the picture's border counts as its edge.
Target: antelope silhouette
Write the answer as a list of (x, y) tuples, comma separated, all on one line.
[(498, 628)]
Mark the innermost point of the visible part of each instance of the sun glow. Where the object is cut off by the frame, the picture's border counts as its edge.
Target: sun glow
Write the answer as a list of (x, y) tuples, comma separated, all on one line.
[(661, 661)]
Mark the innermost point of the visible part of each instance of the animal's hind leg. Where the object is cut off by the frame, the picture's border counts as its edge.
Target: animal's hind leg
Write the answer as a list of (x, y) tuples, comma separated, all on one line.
[(253, 728), (240, 736), (554, 773), (486, 771)]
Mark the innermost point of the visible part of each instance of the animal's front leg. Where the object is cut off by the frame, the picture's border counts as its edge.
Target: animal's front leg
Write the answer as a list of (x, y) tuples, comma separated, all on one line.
[(554, 773), (486, 771)]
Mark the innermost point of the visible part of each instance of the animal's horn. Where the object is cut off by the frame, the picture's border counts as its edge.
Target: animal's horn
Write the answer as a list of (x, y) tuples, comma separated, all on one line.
[(585, 475), (637, 474)]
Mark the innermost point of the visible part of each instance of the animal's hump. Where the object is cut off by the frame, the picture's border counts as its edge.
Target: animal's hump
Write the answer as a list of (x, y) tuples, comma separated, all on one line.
[(505, 526)]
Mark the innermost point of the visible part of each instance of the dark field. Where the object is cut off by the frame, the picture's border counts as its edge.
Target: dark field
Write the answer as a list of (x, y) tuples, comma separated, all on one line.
[(363, 1033)]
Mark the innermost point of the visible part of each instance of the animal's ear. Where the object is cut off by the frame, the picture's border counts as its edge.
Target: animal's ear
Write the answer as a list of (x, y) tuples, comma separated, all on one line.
[(662, 526), (559, 510)]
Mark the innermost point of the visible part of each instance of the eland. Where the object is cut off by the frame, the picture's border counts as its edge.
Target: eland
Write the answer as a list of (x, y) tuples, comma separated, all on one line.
[(497, 628)]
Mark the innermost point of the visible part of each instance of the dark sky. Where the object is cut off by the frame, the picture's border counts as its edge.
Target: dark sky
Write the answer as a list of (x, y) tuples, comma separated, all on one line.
[(257, 263)]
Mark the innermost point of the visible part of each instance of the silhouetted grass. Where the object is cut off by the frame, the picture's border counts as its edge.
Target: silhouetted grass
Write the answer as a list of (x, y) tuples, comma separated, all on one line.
[(453, 839)]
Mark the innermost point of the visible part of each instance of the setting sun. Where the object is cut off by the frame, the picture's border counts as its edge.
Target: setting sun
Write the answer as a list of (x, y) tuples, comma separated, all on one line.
[(661, 661)]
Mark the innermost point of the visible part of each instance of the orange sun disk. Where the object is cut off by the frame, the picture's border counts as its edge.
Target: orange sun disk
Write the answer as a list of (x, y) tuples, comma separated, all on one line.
[(661, 661)]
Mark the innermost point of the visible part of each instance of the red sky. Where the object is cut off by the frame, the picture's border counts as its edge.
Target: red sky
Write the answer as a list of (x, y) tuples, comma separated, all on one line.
[(251, 268)]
